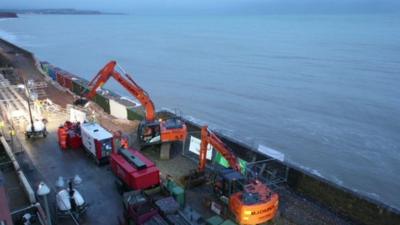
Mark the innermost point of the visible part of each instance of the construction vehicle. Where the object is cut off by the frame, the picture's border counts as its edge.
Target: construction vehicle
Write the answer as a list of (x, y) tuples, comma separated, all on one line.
[(134, 170), (150, 131), (250, 200)]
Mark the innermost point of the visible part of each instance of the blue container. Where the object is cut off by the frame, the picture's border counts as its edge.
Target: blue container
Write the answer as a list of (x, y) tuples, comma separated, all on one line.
[(52, 72), (44, 65)]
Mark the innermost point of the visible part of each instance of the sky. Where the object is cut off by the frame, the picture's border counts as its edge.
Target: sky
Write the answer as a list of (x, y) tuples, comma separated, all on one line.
[(260, 6)]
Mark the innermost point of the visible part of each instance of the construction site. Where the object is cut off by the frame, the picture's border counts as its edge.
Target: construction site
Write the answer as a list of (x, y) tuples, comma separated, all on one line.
[(74, 153)]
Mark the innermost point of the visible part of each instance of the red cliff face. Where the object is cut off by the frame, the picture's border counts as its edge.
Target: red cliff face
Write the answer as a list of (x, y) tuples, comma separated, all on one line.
[(8, 15)]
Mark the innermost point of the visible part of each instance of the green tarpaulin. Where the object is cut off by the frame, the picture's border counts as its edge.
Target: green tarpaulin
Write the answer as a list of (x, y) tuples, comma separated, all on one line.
[(223, 162)]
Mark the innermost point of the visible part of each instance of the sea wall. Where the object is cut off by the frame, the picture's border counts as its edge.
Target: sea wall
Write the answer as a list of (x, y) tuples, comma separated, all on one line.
[(10, 47), (347, 203)]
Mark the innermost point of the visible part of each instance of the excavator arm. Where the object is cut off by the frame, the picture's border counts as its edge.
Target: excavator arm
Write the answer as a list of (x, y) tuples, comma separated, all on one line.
[(109, 70), (256, 203), (207, 137)]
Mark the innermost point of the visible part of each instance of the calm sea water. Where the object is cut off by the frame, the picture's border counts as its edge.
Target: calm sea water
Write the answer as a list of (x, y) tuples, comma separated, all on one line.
[(322, 89)]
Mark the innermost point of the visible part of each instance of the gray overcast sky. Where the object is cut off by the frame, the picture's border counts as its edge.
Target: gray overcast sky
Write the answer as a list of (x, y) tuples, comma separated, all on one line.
[(213, 5)]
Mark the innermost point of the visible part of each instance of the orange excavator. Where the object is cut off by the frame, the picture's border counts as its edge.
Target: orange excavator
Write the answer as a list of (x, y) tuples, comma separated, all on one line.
[(250, 200), (150, 130)]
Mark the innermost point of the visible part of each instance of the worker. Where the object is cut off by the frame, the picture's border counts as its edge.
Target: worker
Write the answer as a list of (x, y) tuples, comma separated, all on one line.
[(12, 132), (148, 132), (78, 128), (62, 137), (124, 142)]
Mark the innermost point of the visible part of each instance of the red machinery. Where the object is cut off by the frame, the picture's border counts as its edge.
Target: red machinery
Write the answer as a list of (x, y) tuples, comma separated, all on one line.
[(94, 138), (138, 208), (150, 130), (69, 135), (134, 170), (251, 201)]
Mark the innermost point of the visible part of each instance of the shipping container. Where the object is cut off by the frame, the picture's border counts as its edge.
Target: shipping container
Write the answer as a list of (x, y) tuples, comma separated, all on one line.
[(103, 102), (60, 78), (68, 81), (79, 87), (46, 70), (51, 72), (135, 114), (65, 78), (118, 110), (97, 141), (44, 66)]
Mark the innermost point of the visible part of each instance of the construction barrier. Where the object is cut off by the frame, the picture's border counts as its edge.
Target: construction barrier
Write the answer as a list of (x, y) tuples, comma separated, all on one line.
[(103, 102), (79, 87), (134, 114)]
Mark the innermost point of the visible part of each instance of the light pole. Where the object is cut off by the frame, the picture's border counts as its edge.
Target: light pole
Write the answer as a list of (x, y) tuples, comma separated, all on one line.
[(43, 191), (28, 94)]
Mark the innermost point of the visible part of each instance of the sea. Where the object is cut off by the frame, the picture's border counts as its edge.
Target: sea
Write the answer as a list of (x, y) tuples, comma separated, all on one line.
[(324, 90)]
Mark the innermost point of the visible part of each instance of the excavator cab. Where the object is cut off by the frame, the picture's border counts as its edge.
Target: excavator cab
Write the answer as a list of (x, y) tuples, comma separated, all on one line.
[(227, 182), (250, 201), (255, 204), (173, 129), (155, 132), (149, 133)]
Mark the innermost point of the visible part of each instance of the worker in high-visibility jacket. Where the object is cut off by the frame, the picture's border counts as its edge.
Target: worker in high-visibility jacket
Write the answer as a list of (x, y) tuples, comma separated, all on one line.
[(62, 137), (124, 142), (120, 140)]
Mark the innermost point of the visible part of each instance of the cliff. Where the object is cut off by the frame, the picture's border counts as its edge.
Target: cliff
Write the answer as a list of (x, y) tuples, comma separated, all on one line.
[(8, 15)]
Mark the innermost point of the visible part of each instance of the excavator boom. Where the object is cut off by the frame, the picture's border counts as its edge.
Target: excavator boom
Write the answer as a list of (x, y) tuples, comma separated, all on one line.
[(256, 203), (109, 70), (208, 137), (150, 131)]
